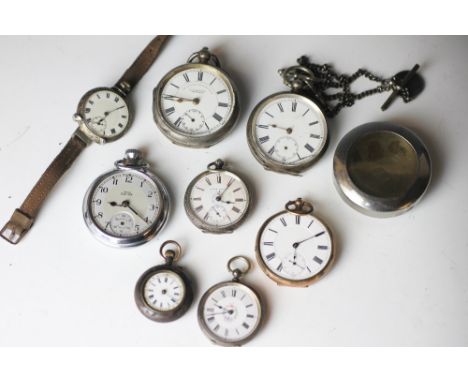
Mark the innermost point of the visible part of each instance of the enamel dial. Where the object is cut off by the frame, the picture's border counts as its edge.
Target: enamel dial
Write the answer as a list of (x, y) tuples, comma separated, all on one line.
[(125, 204), (287, 131), (294, 249), (196, 101), (217, 201), (164, 291), (105, 112), (230, 313)]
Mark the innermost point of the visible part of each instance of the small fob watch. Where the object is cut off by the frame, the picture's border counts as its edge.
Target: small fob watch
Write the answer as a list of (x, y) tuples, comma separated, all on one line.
[(127, 206), (230, 313), (217, 200), (103, 115), (287, 131), (164, 293), (294, 248), (196, 104)]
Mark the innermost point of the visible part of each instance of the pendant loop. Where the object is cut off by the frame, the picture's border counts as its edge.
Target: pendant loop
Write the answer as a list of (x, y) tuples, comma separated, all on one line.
[(204, 56), (218, 164), (171, 254), (238, 266), (299, 207)]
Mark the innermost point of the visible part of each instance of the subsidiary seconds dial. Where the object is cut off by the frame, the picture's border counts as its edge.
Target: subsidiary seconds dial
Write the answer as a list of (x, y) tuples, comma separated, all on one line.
[(294, 247)]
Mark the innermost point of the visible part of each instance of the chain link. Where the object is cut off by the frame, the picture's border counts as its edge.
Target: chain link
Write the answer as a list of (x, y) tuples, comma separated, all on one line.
[(314, 80)]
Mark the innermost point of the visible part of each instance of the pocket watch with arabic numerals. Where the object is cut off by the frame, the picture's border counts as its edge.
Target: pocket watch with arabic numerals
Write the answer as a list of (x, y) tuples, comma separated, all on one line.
[(196, 104), (127, 206), (164, 293), (294, 247), (230, 313), (217, 200)]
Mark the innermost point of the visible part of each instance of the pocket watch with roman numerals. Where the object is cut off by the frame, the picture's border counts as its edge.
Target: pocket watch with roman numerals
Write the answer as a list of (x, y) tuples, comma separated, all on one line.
[(287, 131), (230, 313), (294, 247), (164, 293), (127, 206), (217, 200), (196, 104)]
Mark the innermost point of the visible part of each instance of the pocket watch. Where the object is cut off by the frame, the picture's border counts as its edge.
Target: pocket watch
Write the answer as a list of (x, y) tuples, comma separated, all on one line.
[(103, 115), (231, 312), (287, 131), (127, 206), (196, 104), (294, 247), (217, 200), (164, 292)]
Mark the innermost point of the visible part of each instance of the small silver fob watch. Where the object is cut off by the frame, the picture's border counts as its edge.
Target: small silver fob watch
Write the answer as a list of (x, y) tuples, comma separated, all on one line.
[(196, 104), (230, 313), (127, 206), (217, 200), (164, 293)]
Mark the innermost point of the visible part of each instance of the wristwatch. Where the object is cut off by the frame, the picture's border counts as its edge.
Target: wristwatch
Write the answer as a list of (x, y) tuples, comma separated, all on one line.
[(103, 115)]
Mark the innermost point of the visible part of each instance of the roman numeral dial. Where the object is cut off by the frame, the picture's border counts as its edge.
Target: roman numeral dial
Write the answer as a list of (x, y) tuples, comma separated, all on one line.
[(288, 130), (230, 312), (106, 113), (294, 247), (196, 102), (164, 291), (217, 201)]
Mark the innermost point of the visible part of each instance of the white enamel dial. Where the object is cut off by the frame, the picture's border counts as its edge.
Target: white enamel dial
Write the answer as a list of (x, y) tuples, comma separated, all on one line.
[(219, 199), (295, 247), (290, 129), (125, 204), (106, 113), (164, 291), (231, 312), (197, 102)]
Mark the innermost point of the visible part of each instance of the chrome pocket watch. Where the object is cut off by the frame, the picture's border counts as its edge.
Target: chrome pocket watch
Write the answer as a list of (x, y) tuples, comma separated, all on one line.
[(287, 131), (127, 206), (217, 200), (164, 293), (294, 247), (196, 104), (230, 313)]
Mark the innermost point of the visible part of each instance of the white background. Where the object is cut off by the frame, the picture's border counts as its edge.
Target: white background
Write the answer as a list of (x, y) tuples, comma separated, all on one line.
[(397, 281)]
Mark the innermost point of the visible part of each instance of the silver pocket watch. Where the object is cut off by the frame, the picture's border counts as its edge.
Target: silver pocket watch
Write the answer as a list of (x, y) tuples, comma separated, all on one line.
[(217, 200), (164, 293), (293, 247), (127, 206), (230, 313), (196, 104)]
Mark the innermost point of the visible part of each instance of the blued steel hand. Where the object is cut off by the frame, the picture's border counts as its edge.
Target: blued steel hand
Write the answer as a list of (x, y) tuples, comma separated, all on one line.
[(297, 243), (126, 203)]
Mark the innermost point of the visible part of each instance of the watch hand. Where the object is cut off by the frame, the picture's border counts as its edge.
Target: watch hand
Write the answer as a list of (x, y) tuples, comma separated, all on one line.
[(220, 196), (106, 114), (287, 129), (297, 243), (126, 203), (195, 101), (296, 264)]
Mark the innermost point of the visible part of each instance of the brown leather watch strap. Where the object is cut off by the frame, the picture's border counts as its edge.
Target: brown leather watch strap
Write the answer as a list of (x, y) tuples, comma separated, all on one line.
[(23, 217), (141, 65)]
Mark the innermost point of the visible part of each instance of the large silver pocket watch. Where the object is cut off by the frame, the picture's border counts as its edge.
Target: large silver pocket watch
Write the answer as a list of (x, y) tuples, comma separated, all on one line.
[(196, 104), (164, 292), (217, 200), (287, 131), (294, 247), (230, 313), (127, 206)]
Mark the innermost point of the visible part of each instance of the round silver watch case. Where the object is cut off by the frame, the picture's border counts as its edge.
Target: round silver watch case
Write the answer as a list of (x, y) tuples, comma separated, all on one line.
[(262, 158), (133, 163), (213, 168), (170, 256), (79, 116), (381, 169), (210, 63)]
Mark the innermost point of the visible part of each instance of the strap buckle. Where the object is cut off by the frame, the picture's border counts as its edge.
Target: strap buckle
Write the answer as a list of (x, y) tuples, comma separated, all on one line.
[(19, 224)]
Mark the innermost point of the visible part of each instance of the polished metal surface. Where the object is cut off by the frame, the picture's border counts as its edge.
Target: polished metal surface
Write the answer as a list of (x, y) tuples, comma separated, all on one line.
[(381, 169)]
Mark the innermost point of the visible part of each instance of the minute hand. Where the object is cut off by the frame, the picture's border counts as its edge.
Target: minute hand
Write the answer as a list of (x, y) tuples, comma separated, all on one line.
[(297, 243)]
